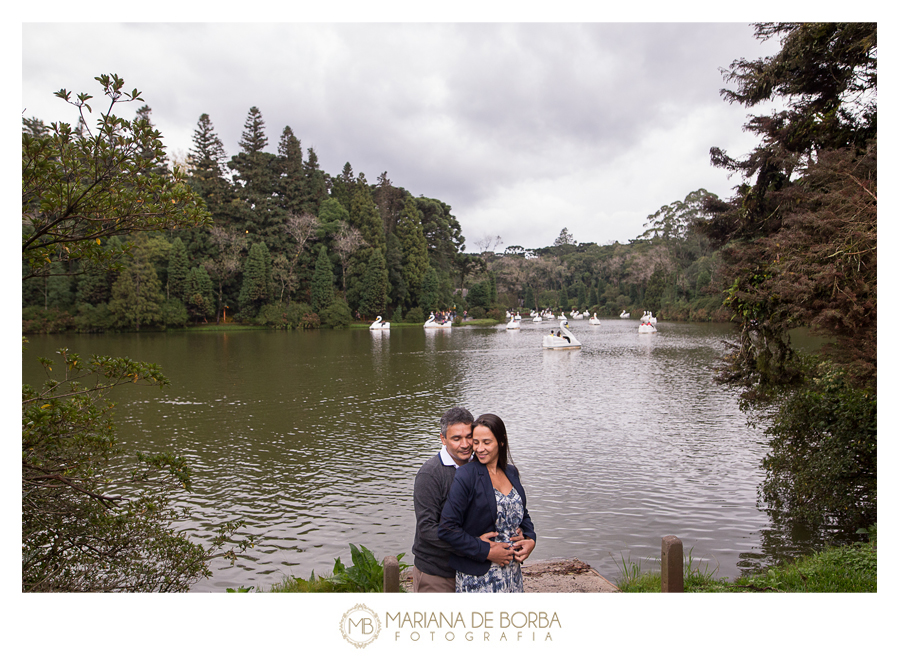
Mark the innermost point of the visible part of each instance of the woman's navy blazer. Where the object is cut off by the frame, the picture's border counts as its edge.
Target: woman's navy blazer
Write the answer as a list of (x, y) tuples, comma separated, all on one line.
[(471, 511)]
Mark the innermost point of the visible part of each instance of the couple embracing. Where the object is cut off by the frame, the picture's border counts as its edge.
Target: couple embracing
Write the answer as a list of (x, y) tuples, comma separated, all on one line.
[(473, 530)]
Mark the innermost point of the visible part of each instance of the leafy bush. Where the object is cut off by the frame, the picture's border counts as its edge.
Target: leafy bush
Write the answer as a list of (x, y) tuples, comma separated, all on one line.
[(366, 574), (337, 314), (415, 316), (293, 315), (37, 320)]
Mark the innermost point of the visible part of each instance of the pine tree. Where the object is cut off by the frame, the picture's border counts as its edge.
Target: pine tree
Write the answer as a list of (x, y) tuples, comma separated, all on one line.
[(343, 186), (529, 298), (364, 216), (394, 259), (322, 290), (315, 186), (291, 172), (375, 287), (430, 291), (414, 247), (136, 296), (257, 286), (198, 294), (178, 270), (256, 183)]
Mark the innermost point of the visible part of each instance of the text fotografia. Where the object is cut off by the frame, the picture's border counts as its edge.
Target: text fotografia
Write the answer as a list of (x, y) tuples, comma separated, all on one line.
[(479, 626)]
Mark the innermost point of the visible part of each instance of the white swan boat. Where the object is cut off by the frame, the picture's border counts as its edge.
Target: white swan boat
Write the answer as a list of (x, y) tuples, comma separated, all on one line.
[(513, 324), (624, 314), (564, 341), (431, 323), (575, 315), (594, 319), (646, 328), (537, 318), (378, 324)]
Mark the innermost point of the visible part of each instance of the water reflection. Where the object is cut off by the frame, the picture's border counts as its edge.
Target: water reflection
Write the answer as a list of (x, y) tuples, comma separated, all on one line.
[(314, 438)]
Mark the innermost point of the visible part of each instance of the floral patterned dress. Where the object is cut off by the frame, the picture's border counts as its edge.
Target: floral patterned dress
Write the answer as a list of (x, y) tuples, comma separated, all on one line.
[(510, 511)]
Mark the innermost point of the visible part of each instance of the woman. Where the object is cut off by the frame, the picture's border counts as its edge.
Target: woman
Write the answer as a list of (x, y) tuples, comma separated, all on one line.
[(487, 501)]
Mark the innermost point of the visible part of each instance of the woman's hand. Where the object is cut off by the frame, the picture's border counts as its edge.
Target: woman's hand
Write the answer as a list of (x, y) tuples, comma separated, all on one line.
[(522, 549)]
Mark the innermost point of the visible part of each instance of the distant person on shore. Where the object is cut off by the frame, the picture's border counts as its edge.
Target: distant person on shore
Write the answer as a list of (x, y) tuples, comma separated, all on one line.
[(431, 565), (484, 510)]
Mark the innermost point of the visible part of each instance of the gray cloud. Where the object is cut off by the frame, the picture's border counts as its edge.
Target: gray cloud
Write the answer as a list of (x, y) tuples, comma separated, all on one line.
[(521, 128)]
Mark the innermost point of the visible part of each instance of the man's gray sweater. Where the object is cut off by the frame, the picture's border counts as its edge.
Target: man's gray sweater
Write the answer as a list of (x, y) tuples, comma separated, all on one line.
[(432, 486)]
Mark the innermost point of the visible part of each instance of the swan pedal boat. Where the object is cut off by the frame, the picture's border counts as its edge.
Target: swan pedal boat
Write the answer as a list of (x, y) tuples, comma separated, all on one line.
[(432, 324), (646, 328), (378, 324), (513, 324), (624, 315), (594, 319), (554, 342)]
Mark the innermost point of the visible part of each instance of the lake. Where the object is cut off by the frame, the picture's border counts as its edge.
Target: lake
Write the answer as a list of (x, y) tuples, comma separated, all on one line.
[(314, 438)]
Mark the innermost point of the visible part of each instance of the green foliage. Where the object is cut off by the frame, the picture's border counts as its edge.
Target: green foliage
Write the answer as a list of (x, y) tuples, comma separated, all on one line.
[(479, 296), (322, 291), (90, 521), (287, 315), (257, 284), (366, 573), (198, 294), (852, 568), (137, 296), (375, 286), (179, 269), (337, 314), (822, 464), (415, 316), (79, 187)]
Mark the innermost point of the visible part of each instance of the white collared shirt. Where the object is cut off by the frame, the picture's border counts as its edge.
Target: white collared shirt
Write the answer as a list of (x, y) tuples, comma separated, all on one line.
[(447, 460)]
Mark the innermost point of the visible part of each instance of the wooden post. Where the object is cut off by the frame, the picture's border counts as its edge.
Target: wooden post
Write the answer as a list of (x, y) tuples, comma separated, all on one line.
[(672, 564), (391, 574)]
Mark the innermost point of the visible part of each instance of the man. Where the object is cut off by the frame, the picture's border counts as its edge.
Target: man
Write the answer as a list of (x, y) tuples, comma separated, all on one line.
[(431, 570)]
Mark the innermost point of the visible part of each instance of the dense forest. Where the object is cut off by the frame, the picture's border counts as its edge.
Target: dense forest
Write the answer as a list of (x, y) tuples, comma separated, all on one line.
[(289, 245)]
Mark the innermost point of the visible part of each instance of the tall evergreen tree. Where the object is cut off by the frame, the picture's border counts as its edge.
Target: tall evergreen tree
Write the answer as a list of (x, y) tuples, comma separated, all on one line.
[(529, 298), (342, 187), (364, 215), (315, 185), (178, 270), (375, 287), (430, 291), (322, 290), (394, 259), (414, 247), (256, 184), (291, 172), (257, 286), (136, 295), (198, 294)]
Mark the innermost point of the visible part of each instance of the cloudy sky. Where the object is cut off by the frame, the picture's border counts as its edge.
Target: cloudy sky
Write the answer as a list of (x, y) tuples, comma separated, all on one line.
[(522, 128)]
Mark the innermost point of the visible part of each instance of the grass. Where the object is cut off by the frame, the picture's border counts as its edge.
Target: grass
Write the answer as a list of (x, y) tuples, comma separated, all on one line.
[(851, 568)]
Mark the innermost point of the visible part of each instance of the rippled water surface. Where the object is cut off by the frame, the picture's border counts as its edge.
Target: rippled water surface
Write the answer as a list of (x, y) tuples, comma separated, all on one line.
[(314, 438)]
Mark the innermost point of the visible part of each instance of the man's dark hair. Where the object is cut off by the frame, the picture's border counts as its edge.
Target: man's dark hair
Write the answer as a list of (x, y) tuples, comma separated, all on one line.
[(454, 416)]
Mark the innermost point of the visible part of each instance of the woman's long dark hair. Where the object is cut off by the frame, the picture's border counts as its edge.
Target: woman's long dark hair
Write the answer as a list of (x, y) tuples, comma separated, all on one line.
[(498, 429)]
